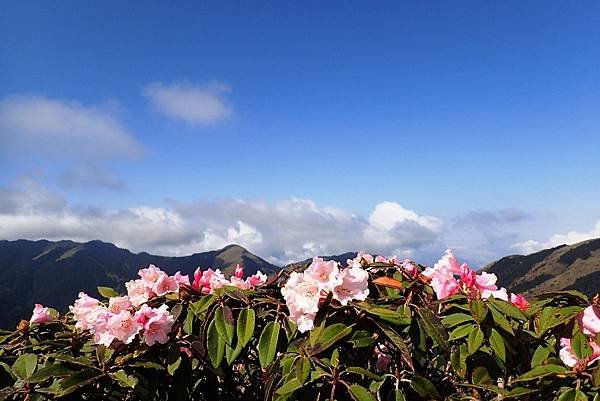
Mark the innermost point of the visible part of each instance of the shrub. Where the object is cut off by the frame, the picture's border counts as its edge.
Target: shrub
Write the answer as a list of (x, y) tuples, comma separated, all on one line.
[(380, 329)]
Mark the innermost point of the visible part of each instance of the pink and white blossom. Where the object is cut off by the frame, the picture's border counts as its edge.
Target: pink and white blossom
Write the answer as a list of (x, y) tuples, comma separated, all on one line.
[(257, 279), (302, 296), (239, 271), (448, 262), (138, 292), (589, 320), (325, 274), (354, 285), (123, 326), (165, 284), (118, 304), (156, 323), (569, 358), (85, 310), (40, 314), (498, 294)]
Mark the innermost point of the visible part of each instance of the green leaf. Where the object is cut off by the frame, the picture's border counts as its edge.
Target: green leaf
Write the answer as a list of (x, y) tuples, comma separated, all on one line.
[(501, 321), (289, 386), (424, 387), (302, 369), (77, 380), (267, 343), (573, 395), (541, 371), (199, 307), (461, 331), (581, 346), (232, 353), (363, 372), (475, 340), (456, 319), (481, 375), (188, 323), (124, 379), (519, 392), (225, 324), (24, 366), (360, 393), (173, 366), (335, 358), (498, 346), (329, 336), (215, 345), (107, 292), (398, 395), (245, 326), (315, 333), (433, 327), (506, 308), (361, 338), (539, 356), (478, 310), (103, 354), (54, 370)]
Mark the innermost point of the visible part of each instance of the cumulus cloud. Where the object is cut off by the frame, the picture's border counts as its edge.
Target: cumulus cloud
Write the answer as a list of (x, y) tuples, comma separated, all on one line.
[(42, 125), (90, 176), (282, 232), (196, 104), (569, 238)]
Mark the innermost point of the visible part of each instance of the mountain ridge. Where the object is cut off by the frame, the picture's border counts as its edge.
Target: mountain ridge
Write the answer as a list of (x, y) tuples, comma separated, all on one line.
[(37, 271)]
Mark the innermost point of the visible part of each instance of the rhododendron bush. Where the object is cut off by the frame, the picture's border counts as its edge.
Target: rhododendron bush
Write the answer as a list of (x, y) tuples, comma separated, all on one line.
[(373, 328)]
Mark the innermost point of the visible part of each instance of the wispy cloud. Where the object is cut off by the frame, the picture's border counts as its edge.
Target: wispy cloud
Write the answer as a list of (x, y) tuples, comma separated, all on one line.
[(67, 129), (196, 104), (90, 176), (569, 238)]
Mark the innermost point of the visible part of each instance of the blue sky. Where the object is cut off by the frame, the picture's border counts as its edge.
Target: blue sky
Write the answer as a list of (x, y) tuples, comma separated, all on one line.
[(479, 118)]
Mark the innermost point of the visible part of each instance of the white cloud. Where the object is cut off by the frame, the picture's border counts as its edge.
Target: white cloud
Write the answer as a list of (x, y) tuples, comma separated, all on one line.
[(67, 129), (282, 232), (189, 102), (569, 238)]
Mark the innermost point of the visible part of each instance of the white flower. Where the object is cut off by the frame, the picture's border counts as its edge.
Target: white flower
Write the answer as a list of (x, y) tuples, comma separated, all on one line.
[(354, 285)]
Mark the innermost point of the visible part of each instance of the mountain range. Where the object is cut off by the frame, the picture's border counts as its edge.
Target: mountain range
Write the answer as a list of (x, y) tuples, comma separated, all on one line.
[(53, 273)]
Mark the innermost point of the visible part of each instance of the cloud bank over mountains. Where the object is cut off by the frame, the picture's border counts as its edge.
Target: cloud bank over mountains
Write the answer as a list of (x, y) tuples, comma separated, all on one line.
[(283, 231)]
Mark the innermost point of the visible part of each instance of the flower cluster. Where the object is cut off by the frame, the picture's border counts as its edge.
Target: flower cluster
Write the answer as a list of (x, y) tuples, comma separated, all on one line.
[(304, 291), (209, 280), (589, 323), (120, 320), (153, 282), (448, 278), (127, 316)]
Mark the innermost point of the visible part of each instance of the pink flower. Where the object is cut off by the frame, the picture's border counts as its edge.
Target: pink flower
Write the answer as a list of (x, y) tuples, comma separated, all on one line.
[(218, 280), (409, 267), (486, 281), (448, 262), (468, 278), (85, 311), (519, 301), (156, 322), (302, 299), (325, 274), (257, 279), (498, 294), (381, 259), (360, 258), (589, 320), (239, 283), (118, 304), (99, 328), (354, 285), (150, 275), (40, 315), (138, 292), (239, 271), (165, 284), (181, 279), (569, 358), (123, 326), (443, 283)]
